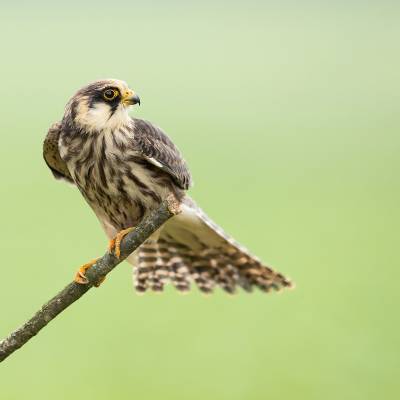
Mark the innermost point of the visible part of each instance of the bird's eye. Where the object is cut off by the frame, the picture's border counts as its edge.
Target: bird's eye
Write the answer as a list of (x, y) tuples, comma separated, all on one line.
[(110, 94)]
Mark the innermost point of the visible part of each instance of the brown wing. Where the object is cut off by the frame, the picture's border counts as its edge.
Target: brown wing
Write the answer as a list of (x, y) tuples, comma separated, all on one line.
[(158, 149), (52, 156)]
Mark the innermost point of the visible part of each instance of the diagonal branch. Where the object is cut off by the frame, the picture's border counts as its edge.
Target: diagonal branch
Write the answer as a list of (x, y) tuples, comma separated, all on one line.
[(74, 291)]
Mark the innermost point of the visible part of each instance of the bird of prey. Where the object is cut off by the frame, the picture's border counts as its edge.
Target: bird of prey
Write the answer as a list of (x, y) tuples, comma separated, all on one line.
[(125, 167)]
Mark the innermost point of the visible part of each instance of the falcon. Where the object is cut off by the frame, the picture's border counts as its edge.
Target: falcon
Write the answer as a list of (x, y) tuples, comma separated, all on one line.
[(124, 168)]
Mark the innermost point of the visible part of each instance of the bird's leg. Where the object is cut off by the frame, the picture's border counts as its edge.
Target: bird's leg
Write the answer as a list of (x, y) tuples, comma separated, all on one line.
[(80, 275), (115, 244)]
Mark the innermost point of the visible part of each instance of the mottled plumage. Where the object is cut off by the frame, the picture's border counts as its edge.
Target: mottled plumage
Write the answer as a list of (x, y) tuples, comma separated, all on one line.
[(124, 167)]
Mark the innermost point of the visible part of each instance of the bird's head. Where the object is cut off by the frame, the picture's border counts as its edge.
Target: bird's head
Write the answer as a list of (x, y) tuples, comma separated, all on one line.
[(101, 105)]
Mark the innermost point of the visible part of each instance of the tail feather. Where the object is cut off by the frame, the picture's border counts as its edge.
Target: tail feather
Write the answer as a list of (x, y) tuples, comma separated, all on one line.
[(147, 262), (192, 248)]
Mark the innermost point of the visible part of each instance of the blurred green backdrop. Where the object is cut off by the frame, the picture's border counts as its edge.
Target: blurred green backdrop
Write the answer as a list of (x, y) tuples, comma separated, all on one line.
[(288, 114)]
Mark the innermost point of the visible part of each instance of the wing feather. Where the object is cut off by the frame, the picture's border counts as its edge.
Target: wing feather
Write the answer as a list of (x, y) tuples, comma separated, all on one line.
[(157, 148), (52, 156)]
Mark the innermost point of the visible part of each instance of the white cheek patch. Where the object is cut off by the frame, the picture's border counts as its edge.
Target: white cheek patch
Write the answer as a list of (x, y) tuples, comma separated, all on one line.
[(100, 117)]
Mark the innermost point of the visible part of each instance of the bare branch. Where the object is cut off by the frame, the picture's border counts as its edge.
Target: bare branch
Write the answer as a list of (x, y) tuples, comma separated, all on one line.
[(74, 291)]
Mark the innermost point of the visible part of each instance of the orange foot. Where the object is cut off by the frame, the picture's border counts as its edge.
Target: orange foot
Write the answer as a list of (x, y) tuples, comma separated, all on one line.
[(80, 276), (115, 244)]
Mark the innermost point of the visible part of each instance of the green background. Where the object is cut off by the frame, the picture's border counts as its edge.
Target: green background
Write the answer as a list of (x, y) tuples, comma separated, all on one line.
[(288, 114)]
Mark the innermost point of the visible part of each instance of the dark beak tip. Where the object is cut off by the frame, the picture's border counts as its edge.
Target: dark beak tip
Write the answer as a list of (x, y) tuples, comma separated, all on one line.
[(136, 99)]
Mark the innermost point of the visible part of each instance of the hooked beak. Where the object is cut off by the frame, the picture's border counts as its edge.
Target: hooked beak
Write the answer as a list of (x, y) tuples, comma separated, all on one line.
[(130, 98)]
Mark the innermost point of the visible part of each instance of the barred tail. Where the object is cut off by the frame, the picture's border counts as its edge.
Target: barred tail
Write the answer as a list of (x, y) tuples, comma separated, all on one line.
[(192, 249)]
